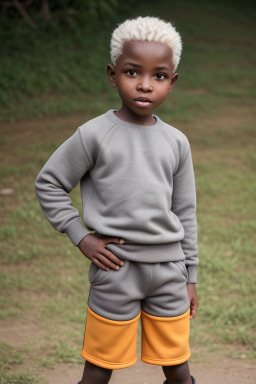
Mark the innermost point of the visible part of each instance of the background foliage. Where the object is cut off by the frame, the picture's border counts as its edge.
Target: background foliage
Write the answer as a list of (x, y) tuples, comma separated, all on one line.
[(58, 66)]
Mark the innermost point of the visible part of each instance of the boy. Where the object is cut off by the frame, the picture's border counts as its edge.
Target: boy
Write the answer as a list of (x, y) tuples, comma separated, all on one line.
[(138, 193)]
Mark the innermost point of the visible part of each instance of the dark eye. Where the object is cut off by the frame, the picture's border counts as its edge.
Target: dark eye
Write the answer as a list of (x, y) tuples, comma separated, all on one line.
[(131, 72), (160, 76)]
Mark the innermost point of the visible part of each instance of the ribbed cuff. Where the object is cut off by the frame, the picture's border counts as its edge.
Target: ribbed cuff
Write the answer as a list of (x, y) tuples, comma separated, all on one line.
[(76, 232), (192, 274)]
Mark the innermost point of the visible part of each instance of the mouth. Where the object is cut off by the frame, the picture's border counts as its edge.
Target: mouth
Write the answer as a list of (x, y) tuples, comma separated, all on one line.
[(143, 101)]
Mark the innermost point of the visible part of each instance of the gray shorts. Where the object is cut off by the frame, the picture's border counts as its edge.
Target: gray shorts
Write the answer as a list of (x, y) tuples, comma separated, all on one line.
[(156, 293), (158, 289)]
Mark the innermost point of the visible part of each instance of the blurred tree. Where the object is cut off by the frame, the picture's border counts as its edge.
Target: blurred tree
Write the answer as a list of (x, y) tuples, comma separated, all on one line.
[(99, 9), (21, 8), (45, 10)]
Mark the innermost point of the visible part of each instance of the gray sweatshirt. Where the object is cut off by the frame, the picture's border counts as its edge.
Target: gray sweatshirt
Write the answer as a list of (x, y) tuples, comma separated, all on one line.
[(137, 183)]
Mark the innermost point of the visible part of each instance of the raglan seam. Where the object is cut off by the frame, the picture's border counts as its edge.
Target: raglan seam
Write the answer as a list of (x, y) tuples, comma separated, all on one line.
[(174, 145), (183, 162), (84, 149), (103, 138), (106, 134), (170, 141)]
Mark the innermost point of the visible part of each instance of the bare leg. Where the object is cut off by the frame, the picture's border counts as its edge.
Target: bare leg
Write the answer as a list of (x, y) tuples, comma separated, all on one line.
[(95, 375), (177, 374)]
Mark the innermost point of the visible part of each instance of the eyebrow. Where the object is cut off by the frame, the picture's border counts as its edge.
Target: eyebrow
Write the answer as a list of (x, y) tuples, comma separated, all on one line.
[(162, 69), (133, 64), (140, 66)]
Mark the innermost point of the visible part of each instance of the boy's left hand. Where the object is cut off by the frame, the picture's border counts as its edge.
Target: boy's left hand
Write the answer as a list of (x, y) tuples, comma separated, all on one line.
[(192, 296)]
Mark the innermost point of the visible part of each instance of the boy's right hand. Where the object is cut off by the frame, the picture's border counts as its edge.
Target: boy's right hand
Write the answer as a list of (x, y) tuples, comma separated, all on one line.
[(94, 249)]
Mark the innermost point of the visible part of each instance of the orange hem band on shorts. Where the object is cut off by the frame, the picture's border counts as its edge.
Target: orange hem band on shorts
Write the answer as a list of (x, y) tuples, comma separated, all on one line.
[(165, 340), (99, 342)]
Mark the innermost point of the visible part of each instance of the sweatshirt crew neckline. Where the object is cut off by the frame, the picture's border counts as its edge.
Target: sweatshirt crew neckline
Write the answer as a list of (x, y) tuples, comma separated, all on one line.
[(112, 116)]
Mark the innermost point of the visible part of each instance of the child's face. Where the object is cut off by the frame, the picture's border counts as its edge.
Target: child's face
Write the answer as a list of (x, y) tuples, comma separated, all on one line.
[(144, 77)]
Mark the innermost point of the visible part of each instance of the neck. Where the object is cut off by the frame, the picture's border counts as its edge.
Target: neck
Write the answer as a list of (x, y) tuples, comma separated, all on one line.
[(126, 115)]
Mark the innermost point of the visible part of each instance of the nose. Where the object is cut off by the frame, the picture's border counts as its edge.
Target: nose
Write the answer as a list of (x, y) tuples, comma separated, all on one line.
[(144, 84)]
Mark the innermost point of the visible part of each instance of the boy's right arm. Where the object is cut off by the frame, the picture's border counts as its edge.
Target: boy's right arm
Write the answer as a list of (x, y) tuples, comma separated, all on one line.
[(65, 168), (59, 176)]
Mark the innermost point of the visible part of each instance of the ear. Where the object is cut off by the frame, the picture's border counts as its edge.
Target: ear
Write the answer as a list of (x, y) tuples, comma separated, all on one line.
[(174, 79), (111, 75)]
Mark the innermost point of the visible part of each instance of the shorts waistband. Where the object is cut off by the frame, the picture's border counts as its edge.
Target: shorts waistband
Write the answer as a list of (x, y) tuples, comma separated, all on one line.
[(148, 253)]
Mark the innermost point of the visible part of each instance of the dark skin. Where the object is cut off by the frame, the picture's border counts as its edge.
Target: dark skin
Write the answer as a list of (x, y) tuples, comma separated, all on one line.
[(94, 249), (144, 78)]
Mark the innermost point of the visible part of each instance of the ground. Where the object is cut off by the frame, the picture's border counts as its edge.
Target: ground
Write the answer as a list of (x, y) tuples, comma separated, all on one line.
[(209, 366), (212, 369), (225, 371)]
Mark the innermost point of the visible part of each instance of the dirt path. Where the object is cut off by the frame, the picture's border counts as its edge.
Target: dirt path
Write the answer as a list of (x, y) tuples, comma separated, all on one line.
[(223, 371)]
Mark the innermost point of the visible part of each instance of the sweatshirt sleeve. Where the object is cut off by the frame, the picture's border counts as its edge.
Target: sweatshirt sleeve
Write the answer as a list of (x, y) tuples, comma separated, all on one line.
[(59, 176), (184, 206)]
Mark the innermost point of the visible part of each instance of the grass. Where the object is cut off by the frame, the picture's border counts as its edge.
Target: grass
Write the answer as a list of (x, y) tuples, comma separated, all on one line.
[(43, 278), (9, 358)]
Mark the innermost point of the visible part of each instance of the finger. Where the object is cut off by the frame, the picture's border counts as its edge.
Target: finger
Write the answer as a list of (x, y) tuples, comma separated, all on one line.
[(100, 265), (112, 258), (193, 309), (108, 263), (192, 313), (116, 240)]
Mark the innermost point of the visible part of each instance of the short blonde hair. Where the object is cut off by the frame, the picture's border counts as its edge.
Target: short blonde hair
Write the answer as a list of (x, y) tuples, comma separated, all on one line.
[(146, 28)]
